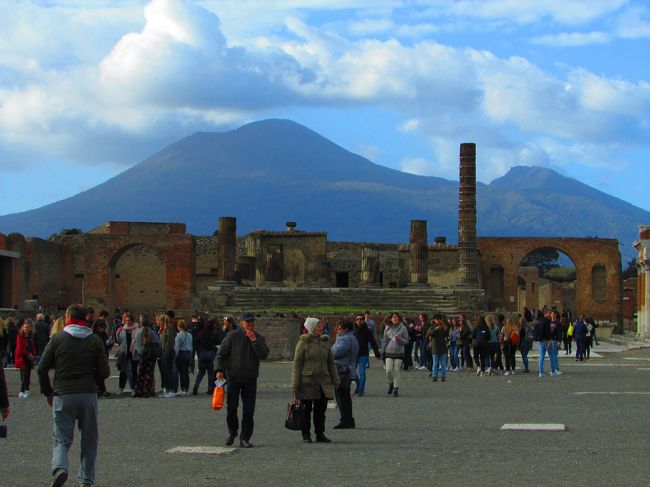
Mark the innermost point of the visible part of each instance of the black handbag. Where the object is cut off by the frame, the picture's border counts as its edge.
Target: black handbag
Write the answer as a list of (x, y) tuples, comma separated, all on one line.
[(295, 416)]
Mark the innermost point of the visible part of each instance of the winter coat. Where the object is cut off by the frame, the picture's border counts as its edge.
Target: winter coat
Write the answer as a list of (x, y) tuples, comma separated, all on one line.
[(24, 347), (346, 352), (239, 357), (314, 368)]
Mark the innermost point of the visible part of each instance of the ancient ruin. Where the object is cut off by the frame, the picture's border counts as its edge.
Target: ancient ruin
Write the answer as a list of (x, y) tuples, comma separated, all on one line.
[(153, 266)]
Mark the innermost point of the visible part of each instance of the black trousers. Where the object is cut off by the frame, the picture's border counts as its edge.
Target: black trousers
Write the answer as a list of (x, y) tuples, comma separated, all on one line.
[(318, 406), (509, 351), (248, 393), (344, 401)]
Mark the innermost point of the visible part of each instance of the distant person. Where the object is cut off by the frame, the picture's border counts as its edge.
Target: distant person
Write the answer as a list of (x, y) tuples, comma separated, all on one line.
[(4, 395), (78, 358), (366, 340), (438, 347), (25, 355), (239, 356), (345, 351), (396, 336), (206, 348), (41, 335)]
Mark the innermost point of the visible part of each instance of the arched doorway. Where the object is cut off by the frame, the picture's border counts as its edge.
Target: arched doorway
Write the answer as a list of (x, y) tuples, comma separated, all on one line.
[(138, 279), (547, 278)]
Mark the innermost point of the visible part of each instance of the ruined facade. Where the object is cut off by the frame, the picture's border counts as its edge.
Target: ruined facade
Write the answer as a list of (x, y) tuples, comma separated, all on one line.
[(643, 289), (154, 266)]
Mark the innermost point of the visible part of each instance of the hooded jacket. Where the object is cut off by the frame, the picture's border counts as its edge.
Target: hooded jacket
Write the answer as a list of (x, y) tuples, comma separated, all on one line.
[(313, 368), (78, 358), (395, 339)]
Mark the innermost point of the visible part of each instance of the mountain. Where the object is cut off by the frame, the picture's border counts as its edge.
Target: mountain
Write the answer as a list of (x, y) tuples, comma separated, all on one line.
[(269, 172)]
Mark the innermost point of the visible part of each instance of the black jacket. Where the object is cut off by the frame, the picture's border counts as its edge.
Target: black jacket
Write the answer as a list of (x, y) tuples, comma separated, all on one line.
[(240, 357), (365, 337)]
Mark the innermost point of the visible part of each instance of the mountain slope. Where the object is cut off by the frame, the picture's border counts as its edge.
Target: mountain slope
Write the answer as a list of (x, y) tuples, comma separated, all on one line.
[(268, 172)]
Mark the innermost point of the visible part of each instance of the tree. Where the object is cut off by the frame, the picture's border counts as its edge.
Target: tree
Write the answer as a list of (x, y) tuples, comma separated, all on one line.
[(544, 259), (631, 270)]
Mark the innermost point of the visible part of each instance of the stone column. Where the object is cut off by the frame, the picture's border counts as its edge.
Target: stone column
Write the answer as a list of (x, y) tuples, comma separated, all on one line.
[(418, 253), (467, 252), (227, 249), (643, 282), (369, 267)]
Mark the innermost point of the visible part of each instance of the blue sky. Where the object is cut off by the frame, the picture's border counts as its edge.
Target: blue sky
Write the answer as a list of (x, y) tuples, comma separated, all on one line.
[(88, 89)]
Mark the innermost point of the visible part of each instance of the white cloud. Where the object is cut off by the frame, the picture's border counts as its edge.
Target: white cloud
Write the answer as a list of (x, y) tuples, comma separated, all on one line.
[(571, 39), (634, 23), (409, 125)]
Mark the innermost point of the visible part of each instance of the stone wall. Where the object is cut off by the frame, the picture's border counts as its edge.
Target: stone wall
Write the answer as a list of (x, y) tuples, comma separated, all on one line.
[(281, 336)]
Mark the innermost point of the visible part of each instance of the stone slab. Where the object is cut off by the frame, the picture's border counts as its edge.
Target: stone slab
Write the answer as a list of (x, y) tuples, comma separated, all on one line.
[(202, 450), (533, 427)]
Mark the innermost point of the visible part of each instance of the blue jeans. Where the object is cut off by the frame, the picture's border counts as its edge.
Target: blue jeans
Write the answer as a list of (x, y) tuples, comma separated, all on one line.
[(524, 356), (552, 355), (206, 364), (361, 371), (439, 359), (453, 355), (542, 353)]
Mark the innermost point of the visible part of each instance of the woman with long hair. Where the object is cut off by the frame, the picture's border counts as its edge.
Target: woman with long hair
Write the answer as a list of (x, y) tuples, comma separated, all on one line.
[(24, 360), (396, 336), (183, 351), (168, 355), (57, 326), (147, 344)]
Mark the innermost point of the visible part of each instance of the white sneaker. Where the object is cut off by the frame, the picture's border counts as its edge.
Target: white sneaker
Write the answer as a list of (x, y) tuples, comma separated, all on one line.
[(506, 373), (478, 370), (21, 395), (480, 374), (170, 395), (541, 375), (558, 372)]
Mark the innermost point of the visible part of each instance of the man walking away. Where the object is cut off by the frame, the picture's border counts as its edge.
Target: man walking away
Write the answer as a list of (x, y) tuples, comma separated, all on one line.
[(78, 358), (239, 356)]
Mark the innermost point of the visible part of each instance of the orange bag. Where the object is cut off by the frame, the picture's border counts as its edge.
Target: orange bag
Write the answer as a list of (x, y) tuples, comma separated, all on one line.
[(217, 398)]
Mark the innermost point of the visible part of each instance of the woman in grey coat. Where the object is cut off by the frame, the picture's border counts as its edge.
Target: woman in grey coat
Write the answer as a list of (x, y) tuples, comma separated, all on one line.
[(396, 336), (314, 377)]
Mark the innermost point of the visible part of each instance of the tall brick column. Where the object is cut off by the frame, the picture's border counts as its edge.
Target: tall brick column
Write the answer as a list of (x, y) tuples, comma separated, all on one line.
[(643, 282), (227, 249), (468, 256), (418, 253)]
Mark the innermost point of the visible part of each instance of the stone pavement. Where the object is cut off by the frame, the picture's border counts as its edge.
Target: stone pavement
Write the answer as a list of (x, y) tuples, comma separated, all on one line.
[(433, 434)]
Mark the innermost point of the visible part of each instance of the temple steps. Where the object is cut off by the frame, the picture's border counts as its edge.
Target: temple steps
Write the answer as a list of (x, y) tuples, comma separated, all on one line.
[(411, 300)]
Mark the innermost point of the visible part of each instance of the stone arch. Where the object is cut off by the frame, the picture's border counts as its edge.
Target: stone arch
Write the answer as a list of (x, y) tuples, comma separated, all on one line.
[(138, 278), (546, 292)]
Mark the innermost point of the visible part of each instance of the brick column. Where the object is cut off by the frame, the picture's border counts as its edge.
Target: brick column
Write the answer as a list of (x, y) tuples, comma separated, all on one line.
[(227, 249), (467, 255), (369, 267), (418, 253)]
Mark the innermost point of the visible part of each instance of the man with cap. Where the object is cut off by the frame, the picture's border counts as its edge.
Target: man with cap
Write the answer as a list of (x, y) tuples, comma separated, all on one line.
[(239, 356)]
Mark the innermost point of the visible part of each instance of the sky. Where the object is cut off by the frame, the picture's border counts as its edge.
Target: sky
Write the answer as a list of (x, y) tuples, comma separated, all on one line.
[(90, 88)]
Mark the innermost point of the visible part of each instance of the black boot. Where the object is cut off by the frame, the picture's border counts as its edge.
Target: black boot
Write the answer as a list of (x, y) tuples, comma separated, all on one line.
[(306, 438), (321, 438), (195, 390), (390, 389)]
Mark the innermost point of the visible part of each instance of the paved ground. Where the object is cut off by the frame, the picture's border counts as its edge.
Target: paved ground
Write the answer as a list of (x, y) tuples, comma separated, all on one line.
[(433, 434)]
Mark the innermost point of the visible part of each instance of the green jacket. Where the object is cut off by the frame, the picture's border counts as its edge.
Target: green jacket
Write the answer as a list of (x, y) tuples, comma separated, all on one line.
[(313, 368), (78, 360)]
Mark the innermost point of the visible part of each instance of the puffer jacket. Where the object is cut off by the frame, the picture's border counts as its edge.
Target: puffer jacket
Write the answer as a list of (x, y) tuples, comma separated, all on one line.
[(346, 352), (314, 368)]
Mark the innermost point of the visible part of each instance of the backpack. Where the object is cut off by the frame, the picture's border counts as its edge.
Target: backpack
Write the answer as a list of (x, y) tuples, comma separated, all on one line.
[(514, 338)]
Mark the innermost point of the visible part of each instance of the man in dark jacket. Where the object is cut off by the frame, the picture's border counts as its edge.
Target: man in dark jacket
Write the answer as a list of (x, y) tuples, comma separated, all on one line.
[(78, 358), (366, 339), (239, 355)]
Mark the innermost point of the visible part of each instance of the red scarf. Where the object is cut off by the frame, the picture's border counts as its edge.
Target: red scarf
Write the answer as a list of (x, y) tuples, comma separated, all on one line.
[(77, 322)]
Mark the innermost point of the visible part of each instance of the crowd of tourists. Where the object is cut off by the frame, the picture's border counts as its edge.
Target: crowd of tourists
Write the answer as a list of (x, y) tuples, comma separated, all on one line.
[(321, 370)]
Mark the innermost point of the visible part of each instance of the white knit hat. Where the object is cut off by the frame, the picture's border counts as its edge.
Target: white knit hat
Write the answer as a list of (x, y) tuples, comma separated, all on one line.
[(311, 324)]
